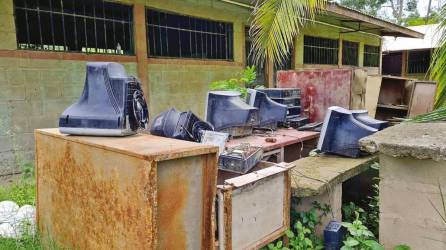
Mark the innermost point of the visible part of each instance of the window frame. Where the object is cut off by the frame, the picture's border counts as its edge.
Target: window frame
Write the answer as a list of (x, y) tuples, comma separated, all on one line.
[(80, 42), (352, 47), (417, 68), (315, 49), (369, 54), (229, 38)]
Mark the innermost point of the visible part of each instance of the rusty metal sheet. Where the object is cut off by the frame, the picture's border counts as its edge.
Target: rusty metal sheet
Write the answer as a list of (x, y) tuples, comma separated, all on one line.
[(91, 197), (143, 146), (321, 89)]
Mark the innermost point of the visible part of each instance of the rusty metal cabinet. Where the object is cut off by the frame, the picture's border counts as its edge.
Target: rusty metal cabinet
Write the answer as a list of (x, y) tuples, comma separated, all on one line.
[(136, 192)]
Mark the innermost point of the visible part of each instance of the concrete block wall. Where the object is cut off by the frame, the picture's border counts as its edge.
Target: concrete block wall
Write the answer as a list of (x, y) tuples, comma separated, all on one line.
[(34, 93), (184, 87)]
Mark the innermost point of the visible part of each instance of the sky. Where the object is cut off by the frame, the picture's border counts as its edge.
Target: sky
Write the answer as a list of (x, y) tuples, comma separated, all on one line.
[(422, 5)]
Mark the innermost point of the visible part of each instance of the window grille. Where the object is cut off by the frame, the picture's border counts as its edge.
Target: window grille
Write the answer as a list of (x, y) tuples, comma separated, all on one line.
[(177, 36), (350, 51), (371, 56), (91, 26), (418, 61), (320, 50)]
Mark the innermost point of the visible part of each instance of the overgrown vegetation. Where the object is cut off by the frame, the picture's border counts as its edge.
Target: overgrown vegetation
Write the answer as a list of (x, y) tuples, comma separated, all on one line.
[(302, 235), (244, 80), (359, 236), (368, 215)]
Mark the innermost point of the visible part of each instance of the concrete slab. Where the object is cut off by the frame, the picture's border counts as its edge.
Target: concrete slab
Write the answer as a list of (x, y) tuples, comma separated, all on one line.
[(317, 175), (417, 140)]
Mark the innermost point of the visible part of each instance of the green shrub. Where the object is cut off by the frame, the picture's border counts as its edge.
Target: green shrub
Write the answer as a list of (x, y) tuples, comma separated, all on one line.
[(359, 237), (22, 192), (245, 79)]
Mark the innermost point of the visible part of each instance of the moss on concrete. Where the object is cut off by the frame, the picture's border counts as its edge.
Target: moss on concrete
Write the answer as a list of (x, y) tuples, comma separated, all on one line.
[(417, 140)]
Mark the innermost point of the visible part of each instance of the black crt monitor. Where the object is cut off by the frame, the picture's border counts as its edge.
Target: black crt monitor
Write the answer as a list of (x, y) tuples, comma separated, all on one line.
[(179, 125), (227, 112), (341, 133), (363, 116), (270, 112), (111, 104)]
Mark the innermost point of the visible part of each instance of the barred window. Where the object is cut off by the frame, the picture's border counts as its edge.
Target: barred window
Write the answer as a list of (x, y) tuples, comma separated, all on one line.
[(350, 51), (418, 61), (371, 56), (320, 50), (91, 26), (178, 36)]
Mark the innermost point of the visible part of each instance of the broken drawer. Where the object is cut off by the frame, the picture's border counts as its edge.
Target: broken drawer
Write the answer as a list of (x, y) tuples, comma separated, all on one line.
[(253, 209)]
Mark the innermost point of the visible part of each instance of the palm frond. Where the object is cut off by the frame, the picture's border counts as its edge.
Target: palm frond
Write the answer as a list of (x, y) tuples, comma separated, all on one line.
[(438, 114), (276, 23), (438, 62)]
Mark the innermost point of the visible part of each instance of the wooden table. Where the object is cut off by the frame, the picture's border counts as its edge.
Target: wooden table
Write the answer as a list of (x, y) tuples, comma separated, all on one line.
[(284, 137)]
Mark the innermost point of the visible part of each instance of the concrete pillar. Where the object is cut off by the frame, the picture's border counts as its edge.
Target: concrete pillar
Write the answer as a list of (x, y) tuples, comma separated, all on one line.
[(332, 197), (413, 170), (141, 46)]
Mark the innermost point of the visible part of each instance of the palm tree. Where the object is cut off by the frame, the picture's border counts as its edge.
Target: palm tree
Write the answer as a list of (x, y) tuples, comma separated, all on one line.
[(276, 23)]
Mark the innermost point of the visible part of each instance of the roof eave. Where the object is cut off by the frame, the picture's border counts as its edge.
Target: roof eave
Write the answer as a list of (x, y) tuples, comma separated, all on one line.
[(393, 29)]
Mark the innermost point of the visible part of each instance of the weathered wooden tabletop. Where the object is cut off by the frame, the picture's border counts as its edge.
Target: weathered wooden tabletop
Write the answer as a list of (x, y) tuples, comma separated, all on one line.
[(315, 175), (284, 138)]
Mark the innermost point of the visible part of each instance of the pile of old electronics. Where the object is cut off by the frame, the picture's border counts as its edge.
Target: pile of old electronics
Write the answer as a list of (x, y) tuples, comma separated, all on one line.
[(291, 97), (230, 114), (342, 129)]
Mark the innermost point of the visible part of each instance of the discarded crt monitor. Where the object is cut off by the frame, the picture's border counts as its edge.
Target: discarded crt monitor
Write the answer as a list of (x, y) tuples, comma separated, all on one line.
[(341, 132), (111, 104), (240, 159), (179, 125), (270, 112), (363, 116), (282, 92), (228, 113), (333, 236)]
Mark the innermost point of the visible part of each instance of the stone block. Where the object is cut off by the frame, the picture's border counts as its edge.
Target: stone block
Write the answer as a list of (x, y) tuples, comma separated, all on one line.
[(8, 62), (15, 76), (5, 144), (53, 76), (13, 93), (34, 91), (53, 91), (27, 108), (8, 163), (74, 91), (31, 75)]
